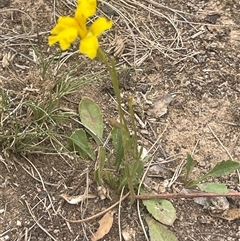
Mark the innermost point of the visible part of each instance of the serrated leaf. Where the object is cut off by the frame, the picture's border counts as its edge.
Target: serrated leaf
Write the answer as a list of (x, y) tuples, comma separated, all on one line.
[(162, 210), (159, 232), (189, 166), (214, 187), (223, 168), (78, 140), (91, 116)]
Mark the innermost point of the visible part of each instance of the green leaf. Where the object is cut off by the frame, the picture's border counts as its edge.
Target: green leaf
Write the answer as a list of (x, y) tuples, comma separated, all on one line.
[(162, 210), (221, 169), (91, 116), (78, 140), (214, 187), (99, 171), (116, 135), (159, 232), (189, 166)]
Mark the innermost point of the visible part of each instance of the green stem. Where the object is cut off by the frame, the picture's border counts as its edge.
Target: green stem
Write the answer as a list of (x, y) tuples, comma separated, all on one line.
[(114, 79), (111, 67)]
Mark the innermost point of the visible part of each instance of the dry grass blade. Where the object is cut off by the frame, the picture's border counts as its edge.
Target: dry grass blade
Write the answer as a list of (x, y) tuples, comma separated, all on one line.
[(98, 214), (146, 37), (42, 182), (38, 224)]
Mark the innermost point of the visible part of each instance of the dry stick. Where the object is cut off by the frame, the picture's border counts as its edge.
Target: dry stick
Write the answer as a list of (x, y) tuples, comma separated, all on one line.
[(98, 214), (224, 148), (154, 196), (42, 182), (20, 236), (141, 182), (138, 205), (27, 15), (139, 187), (125, 19), (186, 195), (7, 231), (38, 224), (119, 216)]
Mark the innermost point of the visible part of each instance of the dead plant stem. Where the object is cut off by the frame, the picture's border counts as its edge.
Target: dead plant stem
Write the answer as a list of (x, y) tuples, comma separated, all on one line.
[(186, 195)]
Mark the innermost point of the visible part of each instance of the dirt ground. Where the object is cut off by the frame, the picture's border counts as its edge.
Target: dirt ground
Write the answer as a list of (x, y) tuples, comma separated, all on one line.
[(181, 62)]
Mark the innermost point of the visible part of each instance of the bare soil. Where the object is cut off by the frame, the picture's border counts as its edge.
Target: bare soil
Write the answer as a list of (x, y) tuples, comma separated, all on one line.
[(180, 61)]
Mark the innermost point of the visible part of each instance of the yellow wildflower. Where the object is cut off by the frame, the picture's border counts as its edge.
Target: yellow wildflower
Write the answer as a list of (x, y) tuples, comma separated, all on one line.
[(68, 29)]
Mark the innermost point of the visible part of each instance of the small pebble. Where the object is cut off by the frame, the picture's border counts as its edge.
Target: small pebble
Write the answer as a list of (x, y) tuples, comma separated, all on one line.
[(202, 163), (56, 231), (19, 223)]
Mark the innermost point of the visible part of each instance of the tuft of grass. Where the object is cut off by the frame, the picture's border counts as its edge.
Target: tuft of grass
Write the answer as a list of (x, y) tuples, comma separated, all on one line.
[(34, 118)]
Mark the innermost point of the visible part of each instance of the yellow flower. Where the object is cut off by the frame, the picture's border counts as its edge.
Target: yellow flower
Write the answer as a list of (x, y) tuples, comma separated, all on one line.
[(68, 29), (89, 44)]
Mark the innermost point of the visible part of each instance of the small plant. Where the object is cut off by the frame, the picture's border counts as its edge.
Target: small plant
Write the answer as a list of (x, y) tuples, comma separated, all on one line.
[(221, 169), (127, 161), (30, 122)]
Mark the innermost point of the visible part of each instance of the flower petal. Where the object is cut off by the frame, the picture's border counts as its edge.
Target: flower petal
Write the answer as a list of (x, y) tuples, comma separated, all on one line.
[(81, 20), (65, 38), (63, 23), (89, 46), (100, 25), (64, 44), (52, 40), (87, 7)]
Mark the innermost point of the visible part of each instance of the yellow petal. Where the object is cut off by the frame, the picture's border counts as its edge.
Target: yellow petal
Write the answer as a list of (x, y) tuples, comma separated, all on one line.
[(89, 46), (64, 44), (100, 25), (81, 20), (52, 40), (70, 34), (87, 7), (63, 23), (65, 38)]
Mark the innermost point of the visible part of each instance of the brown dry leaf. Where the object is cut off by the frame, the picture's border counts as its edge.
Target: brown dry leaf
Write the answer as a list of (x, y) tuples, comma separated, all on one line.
[(160, 106), (76, 199), (7, 59), (105, 225), (233, 214), (128, 234), (118, 46), (229, 215)]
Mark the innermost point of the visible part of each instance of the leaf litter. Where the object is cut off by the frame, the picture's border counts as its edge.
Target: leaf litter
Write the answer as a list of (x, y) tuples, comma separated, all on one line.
[(76, 199), (105, 225)]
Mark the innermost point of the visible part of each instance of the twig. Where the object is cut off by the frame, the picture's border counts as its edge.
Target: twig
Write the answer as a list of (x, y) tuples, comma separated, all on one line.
[(225, 149), (38, 224), (42, 182), (119, 216), (35, 178), (20, 236), (96, 215), (176, 173), (4, 163), (7, 231), (185, 195), (138, 206)]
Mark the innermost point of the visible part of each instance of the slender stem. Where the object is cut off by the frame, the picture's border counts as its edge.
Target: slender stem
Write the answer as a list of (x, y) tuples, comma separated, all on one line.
[(115, 83), (129, 143), (185, 195)]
